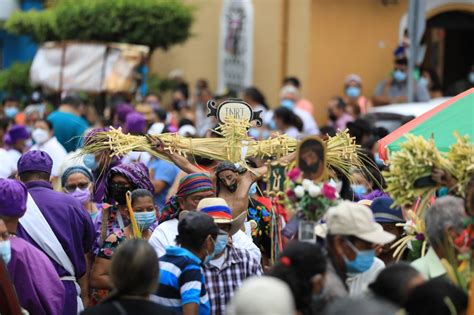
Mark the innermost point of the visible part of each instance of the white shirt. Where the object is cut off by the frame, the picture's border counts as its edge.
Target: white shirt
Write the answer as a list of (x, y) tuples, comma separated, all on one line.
[(7, 167), (310, 127), (358, 283), (55, 150), (165, 235), (14, 156), (292, 132)]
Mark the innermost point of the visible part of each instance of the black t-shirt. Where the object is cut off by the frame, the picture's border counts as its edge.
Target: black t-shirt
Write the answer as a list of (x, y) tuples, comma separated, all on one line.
[(128, 307)]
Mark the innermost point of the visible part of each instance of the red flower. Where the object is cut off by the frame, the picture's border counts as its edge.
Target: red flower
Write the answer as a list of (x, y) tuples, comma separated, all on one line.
[(294, 174), (108, 252), (329, 192)]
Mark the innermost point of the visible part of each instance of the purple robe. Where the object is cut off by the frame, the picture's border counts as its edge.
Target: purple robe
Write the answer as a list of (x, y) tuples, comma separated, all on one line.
[(72, 226), (36, 282)]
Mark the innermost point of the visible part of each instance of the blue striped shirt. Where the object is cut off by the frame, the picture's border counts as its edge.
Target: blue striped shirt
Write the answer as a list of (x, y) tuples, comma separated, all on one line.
[(182, 281)]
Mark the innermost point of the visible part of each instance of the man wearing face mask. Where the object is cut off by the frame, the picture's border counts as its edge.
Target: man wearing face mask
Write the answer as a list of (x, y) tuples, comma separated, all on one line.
[(351, 241), (182, 286), (230, 266), (289, 96), (192, 189), (18, 140), (36, 282), (45, 141), (10, 107), (353, 93), (394, 89), (57, 225)]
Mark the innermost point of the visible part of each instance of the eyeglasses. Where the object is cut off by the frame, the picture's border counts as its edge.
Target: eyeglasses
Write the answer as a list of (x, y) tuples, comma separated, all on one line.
[(72, 188)]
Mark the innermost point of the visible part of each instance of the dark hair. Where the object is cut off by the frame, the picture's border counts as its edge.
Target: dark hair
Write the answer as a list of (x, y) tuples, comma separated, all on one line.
[(298, 263), (340, 102), (361, 305), (29, 176), (370, 170), (9, 99), (161, 113), (359, 128), (391, 283), (288, 117), (194, 229), (292, 81), (401, 61), (257, 96), (134, 269), (140, 193), (184, 122), (328, 130), (435, 81), (432, 298), (73, 99), (48, 123)]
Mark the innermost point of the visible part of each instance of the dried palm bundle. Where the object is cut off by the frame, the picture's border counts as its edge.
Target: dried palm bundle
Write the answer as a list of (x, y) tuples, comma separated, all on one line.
[(416, 159), (342, 151), (461, 155)]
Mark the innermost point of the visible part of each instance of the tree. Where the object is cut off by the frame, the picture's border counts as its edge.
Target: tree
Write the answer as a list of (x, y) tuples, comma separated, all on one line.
[(153, 23), (15, 80)]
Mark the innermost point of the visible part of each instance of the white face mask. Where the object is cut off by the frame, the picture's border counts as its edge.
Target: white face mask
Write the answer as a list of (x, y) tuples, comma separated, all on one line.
[(40, 135)]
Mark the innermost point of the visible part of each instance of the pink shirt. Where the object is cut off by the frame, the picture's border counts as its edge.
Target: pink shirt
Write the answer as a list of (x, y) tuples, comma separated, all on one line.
[(341, 122)]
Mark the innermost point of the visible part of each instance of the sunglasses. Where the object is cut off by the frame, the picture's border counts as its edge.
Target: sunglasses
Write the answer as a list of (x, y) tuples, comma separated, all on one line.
[(72, 188)]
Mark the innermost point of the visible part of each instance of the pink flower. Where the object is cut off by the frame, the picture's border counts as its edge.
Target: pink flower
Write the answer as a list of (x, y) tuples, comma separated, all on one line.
[(294, 174), (108, 252), (329, 192)]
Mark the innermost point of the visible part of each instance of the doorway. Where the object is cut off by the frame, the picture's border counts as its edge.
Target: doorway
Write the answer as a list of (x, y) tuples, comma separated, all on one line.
[(449, 39)]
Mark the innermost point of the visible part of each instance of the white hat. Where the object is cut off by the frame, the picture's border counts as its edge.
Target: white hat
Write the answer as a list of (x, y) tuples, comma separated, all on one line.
[(156, 128), (220, 211), (274, 298), (348, 218)]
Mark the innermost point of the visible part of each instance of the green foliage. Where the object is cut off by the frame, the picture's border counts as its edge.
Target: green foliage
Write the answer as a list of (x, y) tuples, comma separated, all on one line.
[(16, 79), (157, 84), (153, 23)]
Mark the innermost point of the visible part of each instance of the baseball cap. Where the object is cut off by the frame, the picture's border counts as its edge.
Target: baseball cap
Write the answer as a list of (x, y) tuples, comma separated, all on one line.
[(383, 211), (196, 224), (348, 218)]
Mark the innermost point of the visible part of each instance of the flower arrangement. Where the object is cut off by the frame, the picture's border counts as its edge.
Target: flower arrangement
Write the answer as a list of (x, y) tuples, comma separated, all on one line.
[(310, 198)]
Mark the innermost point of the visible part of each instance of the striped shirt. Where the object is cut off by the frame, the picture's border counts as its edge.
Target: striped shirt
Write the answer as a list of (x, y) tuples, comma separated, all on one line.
[(182, 281), (221, 282)]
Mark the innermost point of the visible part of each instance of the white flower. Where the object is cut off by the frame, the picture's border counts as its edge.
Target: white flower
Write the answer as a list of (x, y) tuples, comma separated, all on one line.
[(314, 191), (307, 183), (299, 191)]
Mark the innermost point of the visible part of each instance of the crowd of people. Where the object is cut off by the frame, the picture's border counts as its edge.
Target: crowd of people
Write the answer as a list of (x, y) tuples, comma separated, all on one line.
[(143, 235)]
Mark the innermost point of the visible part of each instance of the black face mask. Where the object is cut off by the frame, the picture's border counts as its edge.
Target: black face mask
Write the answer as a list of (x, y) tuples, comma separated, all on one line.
[(118, 193)]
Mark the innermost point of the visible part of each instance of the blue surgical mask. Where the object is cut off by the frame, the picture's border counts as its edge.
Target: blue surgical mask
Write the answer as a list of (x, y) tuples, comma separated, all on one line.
[(145, 219), (89, 161), (254, 133), (378, 160), (359, 189), (353, 91), (272, 125), (5, 251), (423, 82), (290, 104), (399, 75), (362, 262), (470, 77), (11, 112), (219, 245), (253, 189)]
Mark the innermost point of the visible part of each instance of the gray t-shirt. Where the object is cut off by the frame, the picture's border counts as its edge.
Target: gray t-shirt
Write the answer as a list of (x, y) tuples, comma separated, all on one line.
[(399, 89)]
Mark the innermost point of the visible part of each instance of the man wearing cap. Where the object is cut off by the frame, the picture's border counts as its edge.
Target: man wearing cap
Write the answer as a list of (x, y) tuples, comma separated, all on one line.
[(230, 266), (192, 189), (352, 237), (56, 224), (182, 285), (16, 138), (36, 282), (388, 218)]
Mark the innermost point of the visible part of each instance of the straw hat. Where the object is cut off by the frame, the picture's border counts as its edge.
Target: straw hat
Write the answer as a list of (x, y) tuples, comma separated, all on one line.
[(219, 210)]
